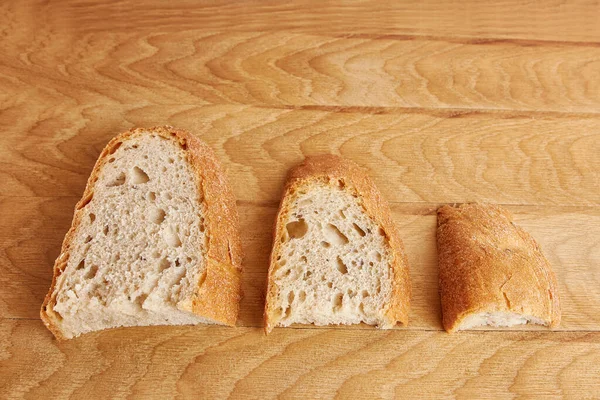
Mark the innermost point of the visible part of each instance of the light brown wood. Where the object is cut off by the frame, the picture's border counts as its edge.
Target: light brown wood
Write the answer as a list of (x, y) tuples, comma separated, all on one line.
[(433, 157), (297, 363), (552, 20), (284, 69), (441, 103)]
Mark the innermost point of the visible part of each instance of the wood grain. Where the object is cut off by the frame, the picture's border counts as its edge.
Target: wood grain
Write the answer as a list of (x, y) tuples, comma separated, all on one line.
[(413, 157), (283, 69), (31, 237), (243, 363), (575, 21)]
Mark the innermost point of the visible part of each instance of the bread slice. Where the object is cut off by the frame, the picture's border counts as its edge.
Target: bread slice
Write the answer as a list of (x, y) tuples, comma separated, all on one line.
[(337, 257), (154, 240), (492, 272)]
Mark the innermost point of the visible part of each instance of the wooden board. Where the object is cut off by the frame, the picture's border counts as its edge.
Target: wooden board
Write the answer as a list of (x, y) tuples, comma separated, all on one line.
[(441, 104)]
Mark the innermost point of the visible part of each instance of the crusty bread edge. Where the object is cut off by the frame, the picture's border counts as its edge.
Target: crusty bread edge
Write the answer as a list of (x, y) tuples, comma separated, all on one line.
[(453, 316), (212, 299), (345, 174)]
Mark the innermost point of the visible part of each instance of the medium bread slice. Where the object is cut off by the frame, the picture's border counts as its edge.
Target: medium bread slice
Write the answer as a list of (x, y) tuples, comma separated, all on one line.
[(154, 240), (492, 272), (337, 257)]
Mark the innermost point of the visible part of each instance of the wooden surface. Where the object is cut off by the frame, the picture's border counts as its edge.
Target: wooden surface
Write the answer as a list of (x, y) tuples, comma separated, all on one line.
[(449, 103)]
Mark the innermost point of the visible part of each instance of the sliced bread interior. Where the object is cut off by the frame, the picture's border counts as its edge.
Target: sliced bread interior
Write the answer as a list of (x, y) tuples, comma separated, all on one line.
[(337, 258), (492, 272), (137, 253)]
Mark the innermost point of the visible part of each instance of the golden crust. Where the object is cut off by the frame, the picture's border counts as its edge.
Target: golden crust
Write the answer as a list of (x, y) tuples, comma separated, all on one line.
[(488, 264), (224, 247), (346, 174)]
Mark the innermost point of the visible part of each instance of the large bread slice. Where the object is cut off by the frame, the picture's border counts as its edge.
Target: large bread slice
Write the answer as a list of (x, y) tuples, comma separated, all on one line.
[(337, 257), (154, 240), (492, 272)]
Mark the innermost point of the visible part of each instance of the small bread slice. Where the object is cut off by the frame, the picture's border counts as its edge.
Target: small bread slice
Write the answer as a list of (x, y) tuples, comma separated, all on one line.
[(492, 272), (337, 257), (154, 240)]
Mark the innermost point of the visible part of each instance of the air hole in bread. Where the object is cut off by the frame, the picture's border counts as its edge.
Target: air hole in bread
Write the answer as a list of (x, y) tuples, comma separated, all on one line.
[(297, 229), (91, 274), (115, 257), (157, 215), (341, 183), (163, 264), (177, 263), (334, 236), (169, 196), (342, 214), (188, 260), (105, 230), (330, 285), (291, 296), (365, 293), (112, 159), (301, 296), (378, 256), (341, 266), (325, 244), (88, 239), (141, 299), (92, 218), (171, 237), (303, 259), (171, 160), (139, 176), (351, 293), (381, 231), (115, 147), (307, 274), (118, 181), (81, 265), (361, 308), (337, 301), (358, 229), (151, 196), (156, 254)]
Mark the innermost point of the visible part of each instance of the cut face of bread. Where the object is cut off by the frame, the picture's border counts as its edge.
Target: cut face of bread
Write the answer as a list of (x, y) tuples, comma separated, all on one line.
[(498, 319), (137, 252), (332, 261), (492, 273)]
